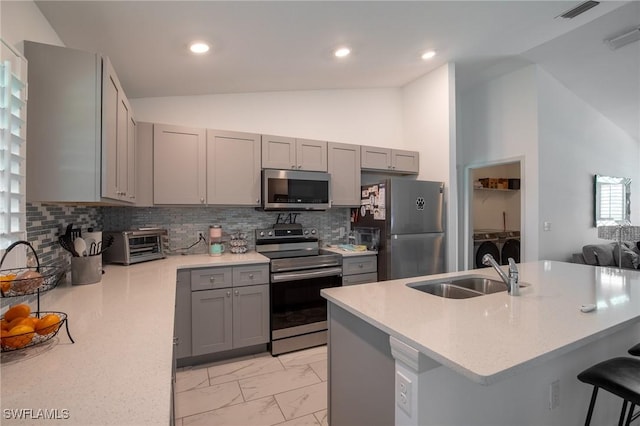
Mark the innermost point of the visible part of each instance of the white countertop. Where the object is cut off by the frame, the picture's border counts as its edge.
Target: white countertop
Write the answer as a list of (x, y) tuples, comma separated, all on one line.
[(348, 253), (491, 337), (118, 372)]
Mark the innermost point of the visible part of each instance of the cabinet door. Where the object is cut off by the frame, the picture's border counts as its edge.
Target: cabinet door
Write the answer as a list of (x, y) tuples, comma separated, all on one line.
[(179, 165), (311, 155), (344, 167), (278, 152), (250, 315), (375, 158), (405, 161), (144, 164), (132, 151), (211, 321), (182, 319), (111, 129), (233, 168), (122, 149)]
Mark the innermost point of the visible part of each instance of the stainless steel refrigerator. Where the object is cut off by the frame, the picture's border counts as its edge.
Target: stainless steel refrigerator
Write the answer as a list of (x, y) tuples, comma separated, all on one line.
[(410, 216)]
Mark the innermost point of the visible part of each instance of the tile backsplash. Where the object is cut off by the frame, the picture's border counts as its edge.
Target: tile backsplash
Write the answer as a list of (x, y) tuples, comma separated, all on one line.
[(183, 224)]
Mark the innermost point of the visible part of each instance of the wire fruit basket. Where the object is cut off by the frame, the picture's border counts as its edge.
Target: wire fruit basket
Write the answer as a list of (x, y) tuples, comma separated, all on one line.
[(29, 280), (35, 336), (26, 329)]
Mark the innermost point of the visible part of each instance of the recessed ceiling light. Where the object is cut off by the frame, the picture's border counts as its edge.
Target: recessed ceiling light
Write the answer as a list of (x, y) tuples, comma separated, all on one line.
[(428, 54), (199, 47), (342, 52)]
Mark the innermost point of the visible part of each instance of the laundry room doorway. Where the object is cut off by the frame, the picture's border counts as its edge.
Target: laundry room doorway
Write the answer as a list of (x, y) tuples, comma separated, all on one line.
[(494, 212)]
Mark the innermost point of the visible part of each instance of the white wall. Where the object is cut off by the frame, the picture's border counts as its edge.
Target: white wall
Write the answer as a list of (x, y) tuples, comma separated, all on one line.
[(364, 117), (576, 142), (428, 106), (22, 20), (498, 122)]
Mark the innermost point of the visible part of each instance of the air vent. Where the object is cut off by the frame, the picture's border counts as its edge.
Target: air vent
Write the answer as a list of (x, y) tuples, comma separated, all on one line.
[(579, 9), (624, 39)]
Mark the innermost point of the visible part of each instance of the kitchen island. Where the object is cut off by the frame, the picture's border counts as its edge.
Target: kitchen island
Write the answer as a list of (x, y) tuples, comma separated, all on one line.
[(488, 360), (119, 370)]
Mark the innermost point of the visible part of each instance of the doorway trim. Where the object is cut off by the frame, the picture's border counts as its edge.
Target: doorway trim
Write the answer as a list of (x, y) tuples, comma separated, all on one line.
[(467, 232)]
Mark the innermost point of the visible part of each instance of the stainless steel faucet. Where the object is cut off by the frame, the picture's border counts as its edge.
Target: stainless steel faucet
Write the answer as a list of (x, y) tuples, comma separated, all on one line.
[(511, 280)]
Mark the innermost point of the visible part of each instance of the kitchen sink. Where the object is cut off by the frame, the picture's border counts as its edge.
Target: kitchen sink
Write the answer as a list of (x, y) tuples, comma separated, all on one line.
[(461, 287)]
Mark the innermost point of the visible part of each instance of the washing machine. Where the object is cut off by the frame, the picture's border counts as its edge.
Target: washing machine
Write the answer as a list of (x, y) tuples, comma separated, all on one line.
[(485, 242), (509, 245)]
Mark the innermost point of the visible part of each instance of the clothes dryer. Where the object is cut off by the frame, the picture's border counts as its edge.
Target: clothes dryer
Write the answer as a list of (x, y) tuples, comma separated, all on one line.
[(485, 242)]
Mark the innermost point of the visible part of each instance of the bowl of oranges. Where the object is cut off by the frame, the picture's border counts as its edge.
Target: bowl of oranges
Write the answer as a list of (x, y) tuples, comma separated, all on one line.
[(20, 328)]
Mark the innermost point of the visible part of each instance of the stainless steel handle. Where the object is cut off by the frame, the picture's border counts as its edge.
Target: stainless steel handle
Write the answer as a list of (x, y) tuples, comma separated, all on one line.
[(175, 341), (202, 200), (250, 276), (299, 166), (360, 265), (293, 166), (212, 279), (236, 292), (228, 294), (292, 276)]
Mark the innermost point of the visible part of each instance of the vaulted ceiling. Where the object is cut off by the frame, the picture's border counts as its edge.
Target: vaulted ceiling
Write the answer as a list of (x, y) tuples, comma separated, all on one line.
[(288, 45)]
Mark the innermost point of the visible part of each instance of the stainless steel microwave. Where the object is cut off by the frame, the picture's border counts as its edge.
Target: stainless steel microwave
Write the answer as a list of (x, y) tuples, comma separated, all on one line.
[(295, 190)]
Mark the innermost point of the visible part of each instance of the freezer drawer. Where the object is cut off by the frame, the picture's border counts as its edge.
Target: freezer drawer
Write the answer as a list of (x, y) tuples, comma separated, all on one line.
[(414, 255)]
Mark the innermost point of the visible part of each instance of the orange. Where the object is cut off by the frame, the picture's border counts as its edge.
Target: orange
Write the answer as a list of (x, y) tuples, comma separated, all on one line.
[(17, 311), (16, 322), (5, 282), (47, 324), (4, 324), (30, 321), (3, 335), (18, 337)]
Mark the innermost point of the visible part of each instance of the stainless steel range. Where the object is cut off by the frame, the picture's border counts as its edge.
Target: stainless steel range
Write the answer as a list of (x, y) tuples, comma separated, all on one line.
[(299, 270)]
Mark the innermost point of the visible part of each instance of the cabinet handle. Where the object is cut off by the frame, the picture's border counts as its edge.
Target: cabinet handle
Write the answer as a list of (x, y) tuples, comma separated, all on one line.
[(257, 200), (250, 276), (293, 166), (228, 294), (132, 196), (201, 200), (236, 292), (299, 166), (388, 167), (212, 279), (360, 265), (175, 341)]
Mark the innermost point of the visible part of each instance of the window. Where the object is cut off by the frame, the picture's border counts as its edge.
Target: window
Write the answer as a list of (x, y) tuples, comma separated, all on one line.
[(612, 203), (13, 111)]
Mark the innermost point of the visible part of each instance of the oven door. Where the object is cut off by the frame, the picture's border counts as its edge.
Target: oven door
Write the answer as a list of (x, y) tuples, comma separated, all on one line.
[(297, 308)]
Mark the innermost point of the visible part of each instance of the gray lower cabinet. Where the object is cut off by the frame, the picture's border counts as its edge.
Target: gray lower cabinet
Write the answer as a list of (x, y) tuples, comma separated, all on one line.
[(229, 308), (359, 269), (182, 322)]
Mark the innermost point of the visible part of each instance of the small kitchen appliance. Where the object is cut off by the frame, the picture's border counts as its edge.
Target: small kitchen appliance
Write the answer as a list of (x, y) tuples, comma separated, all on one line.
[(134, 246), (298, 271), (295, 190)]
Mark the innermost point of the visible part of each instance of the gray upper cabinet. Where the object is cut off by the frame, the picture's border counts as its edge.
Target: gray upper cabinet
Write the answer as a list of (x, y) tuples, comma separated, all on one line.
[(179, 165), (78, 128), (390, 160), (343, 164), (144, 164), (280, 152), (233, 157)]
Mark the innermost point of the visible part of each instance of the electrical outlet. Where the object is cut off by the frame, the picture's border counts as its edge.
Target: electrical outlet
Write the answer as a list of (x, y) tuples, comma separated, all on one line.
[(554, 395), (404, 392)]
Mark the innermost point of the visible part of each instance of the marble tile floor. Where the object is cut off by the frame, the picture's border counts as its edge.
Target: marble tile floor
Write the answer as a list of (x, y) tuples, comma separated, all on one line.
[(258, 390)]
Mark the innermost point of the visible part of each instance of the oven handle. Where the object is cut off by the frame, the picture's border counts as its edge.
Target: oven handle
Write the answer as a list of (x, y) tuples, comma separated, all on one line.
[(327, 272)]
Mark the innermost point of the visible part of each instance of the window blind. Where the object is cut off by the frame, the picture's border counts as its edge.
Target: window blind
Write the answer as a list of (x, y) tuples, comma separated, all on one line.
[(13, 111), (612, 202)]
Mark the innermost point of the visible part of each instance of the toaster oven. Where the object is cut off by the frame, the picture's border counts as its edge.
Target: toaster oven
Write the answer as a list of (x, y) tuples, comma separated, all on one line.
[(134, 246)]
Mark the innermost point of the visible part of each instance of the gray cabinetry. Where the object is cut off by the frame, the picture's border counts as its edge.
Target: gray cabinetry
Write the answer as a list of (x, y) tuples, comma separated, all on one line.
[(182, 320), (390, 160), (144, 164), (233, 157), (343, 163), (179, 165), (79, 128), (359, 269), (229, 308), (280, 152)]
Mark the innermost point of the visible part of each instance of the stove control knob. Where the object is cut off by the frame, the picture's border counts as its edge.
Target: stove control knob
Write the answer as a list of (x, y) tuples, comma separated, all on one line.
[(313, 232), (262, 233), (270, 233), (306, 232)]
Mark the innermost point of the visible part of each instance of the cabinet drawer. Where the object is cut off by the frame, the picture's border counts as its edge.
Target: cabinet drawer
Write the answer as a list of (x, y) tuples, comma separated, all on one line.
[(360, 278), (359, 265), (210, 278), (250, 275)]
